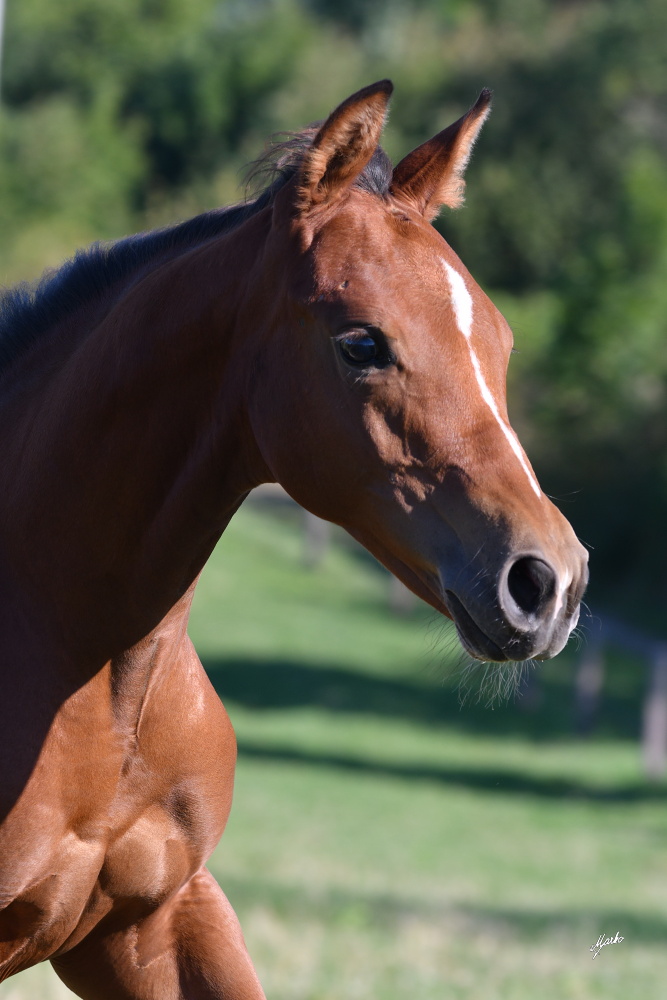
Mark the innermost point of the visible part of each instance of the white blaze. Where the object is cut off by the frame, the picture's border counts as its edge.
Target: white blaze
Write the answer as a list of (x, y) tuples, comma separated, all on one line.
[(462, 302)]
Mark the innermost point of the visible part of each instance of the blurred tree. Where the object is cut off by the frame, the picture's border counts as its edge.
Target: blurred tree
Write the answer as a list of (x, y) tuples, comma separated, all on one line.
[(118, 114), (571, 200)]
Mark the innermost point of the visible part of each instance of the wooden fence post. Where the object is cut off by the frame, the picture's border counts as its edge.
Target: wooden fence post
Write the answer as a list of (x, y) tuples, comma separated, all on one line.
[(529, 695), (588, 686), (401, 600), (316, 536), (654, 729)]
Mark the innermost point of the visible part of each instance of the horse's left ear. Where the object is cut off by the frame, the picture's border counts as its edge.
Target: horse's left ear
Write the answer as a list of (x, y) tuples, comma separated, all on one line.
[(432, 174), (343, 146)]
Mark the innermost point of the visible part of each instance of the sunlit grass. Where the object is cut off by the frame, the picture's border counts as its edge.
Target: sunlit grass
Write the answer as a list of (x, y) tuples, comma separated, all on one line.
[(387, 842)]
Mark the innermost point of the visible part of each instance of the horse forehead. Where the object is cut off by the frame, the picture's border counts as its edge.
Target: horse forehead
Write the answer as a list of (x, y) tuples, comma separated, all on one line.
[(372, 240), (401, 266), (354, 240)]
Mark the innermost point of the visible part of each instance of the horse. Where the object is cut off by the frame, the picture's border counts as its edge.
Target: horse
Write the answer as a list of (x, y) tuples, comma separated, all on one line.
[(324, 336)]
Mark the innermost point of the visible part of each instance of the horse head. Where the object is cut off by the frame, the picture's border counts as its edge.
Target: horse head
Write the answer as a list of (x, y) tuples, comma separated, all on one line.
[(378, 398)]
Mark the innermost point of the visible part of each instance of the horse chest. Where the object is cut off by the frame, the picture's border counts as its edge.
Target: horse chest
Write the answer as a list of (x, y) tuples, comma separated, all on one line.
[(43, 891), (150, 860), (57, 889), (115, 825)]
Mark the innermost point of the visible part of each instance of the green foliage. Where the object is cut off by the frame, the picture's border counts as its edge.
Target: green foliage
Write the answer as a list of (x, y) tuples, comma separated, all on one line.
[(118, 116)]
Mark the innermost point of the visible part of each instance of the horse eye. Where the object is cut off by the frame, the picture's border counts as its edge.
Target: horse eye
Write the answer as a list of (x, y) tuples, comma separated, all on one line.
[(360, 349)]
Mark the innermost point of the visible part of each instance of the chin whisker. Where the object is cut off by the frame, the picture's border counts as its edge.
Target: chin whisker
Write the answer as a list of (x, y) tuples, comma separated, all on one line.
[(491, 683), (476, 681)]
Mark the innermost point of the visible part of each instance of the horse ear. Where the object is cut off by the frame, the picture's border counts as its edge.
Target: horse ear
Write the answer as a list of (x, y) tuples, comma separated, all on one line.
[(432, 174), (343, 146)]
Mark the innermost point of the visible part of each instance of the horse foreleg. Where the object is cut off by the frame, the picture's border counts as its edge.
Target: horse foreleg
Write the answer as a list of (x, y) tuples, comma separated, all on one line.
[(190, 948)]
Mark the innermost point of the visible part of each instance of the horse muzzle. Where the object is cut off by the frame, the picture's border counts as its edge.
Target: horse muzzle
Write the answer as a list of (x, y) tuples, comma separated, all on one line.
[(526, 612)]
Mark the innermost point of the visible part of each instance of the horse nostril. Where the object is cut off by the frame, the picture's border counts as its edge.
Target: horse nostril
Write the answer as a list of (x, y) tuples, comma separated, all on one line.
[(531, 584)]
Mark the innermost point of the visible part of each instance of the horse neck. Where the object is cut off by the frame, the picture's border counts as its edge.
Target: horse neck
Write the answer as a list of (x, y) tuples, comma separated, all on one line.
[(125, 467)]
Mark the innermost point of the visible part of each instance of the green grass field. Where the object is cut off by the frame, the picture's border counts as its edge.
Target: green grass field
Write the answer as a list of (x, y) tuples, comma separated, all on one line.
[(387, 842)]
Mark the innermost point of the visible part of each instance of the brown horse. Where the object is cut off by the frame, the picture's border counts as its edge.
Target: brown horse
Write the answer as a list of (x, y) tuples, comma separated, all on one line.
[(323, 336)]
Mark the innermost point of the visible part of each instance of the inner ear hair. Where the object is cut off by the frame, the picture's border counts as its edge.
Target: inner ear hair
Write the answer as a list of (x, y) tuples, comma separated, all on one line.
[(343, 146), (432, 174)]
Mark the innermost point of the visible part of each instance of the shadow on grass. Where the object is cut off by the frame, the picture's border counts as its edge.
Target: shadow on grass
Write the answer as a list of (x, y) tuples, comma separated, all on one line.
[(280, 684), (500, 781), (338, 907), (635, 927)]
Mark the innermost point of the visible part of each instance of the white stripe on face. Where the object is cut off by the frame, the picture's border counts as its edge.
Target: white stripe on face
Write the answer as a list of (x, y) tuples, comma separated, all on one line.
[(462, 302)]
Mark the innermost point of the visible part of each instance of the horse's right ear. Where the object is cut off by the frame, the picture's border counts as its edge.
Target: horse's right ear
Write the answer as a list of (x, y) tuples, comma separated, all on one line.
[(343, 146)]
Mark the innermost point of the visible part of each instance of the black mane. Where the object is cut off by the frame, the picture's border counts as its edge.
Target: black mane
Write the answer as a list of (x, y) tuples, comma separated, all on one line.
[(29, 311)]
